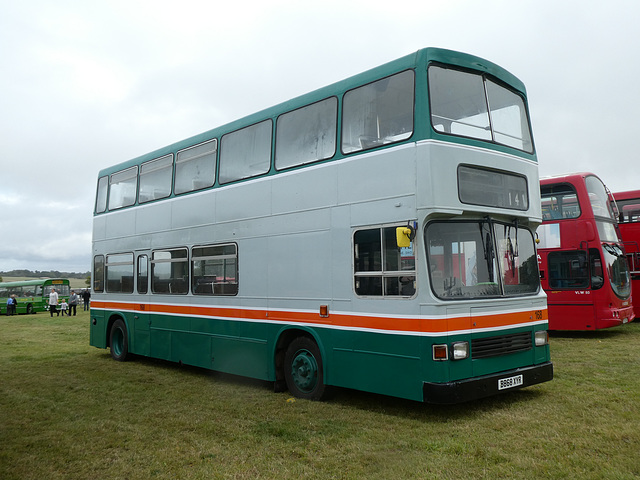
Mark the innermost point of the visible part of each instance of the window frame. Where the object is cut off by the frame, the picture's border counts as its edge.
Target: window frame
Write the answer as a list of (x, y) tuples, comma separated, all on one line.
[(493, 136), (385, 274), (184, 290), (218, 288), (126, 174), (155, 166), (178, 161), (122, 259), (298, 112), (244, 170), (379, 141), (98, 273)]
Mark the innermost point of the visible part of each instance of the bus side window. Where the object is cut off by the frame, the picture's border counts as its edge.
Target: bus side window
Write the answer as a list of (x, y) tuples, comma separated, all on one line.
[(378, 113), (98, 273), (143, 276), (381, 267)]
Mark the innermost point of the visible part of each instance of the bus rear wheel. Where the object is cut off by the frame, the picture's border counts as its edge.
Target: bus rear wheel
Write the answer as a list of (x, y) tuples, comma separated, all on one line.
[(303, 370), (119, 341), (29, 309)]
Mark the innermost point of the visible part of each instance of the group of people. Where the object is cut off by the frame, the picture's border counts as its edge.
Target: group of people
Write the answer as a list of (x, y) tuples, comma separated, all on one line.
[(67, 308), (12, 304)]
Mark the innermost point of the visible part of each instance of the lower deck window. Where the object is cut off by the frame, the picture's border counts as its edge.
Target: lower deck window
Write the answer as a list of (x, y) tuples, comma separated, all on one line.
[(119, 269), (170, 271), (98, 273), (569, 269), (381, 267), (214, 270)]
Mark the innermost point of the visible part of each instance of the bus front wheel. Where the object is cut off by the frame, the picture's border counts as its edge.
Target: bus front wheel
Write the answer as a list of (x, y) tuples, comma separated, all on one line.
[(303, 369), (119, 341)]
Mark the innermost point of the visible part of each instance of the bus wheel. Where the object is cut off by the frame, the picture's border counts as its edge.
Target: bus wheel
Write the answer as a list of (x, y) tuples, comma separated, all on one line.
[(29, 309), (119, 341), (303, 369)]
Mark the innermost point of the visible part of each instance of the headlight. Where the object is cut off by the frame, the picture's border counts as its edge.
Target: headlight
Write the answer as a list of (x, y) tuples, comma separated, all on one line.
[(541, 338), (460, 350)]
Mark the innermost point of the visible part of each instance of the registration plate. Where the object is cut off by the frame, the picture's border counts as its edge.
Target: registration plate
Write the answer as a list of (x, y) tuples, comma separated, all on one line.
[(509, 382)]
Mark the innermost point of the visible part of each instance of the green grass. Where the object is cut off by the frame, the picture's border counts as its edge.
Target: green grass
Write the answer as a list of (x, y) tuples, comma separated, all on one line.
[(68, 411)]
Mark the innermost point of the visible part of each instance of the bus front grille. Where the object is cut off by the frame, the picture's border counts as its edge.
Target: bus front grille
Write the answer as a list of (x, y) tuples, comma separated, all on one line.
[(502, 345)]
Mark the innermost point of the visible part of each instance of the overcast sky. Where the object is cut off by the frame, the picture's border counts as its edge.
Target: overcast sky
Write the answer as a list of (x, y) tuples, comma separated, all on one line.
[(87, 84)]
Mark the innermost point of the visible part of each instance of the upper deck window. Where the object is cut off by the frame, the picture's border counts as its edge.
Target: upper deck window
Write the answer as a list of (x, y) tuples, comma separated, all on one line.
[(378, 113), (101, 196), (471, 105), (246, 153), (196, 167), (559, 201), (629, 210), (599, 198), (122, 188), (155, 179), (307, 135)]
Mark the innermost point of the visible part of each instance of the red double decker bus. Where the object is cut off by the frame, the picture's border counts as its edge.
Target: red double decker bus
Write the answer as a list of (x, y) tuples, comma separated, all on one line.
[(582, 262), (627, 205)]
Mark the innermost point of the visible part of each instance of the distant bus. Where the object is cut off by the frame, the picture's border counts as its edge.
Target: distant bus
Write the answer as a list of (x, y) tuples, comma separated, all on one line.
[(582, 261), (376, 234), (33, 295), (627, 205)]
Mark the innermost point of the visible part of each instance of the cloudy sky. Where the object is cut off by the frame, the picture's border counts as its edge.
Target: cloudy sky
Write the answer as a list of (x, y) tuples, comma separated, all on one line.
[(87, 84)]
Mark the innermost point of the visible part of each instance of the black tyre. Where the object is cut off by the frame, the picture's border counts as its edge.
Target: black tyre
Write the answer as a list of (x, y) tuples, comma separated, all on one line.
[(119, 341), (29, 309), (303, 369)]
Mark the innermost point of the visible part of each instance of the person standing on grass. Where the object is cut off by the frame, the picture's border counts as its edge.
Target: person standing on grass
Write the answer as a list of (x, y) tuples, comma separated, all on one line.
[(9, 305), (73, 302), (86, 296), (14, 305), (53, 302)]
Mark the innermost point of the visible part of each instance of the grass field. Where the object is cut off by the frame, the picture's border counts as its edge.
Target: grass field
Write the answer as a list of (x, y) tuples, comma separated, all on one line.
[(67, 411)]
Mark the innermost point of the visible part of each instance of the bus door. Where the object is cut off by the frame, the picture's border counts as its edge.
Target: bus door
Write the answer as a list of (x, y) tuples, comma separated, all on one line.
[(569, 287), (141, 319)]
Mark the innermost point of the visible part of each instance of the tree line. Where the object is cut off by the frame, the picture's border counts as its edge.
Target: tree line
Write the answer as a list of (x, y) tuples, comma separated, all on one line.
[(45, 274)]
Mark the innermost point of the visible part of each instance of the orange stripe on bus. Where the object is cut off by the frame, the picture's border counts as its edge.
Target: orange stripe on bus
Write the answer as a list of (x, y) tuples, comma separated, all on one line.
[(435, 325)]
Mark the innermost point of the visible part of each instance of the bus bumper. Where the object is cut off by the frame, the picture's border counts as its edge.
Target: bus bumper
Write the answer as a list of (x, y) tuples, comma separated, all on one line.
[(474, 388)]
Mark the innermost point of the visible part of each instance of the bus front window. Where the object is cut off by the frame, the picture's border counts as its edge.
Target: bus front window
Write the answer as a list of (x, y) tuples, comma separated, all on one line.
[(481, 259), (518, 260), (599, 198), (462, 261), (470, 105), (617, 267)]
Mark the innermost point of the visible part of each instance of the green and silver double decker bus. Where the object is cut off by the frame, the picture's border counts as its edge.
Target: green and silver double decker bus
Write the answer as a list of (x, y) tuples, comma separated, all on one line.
[(375, 234), (32, 295)]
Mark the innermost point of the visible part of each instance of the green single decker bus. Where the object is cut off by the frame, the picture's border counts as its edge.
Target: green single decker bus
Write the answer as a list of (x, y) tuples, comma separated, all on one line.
[(375, 234), (33, 295)]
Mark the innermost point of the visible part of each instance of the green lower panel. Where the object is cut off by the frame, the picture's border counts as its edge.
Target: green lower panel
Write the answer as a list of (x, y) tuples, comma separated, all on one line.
[(191, 349), (240, 356), (97, 329), (378, 363)]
